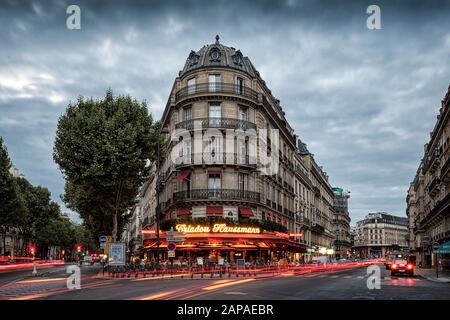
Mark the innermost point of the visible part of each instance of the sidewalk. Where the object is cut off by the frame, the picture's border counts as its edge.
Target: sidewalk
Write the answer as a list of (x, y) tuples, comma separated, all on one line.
[(430, 274)]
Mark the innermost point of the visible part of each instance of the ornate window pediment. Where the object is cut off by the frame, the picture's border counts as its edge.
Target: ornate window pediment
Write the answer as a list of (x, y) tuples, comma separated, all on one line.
[(238, 58), (193, 59), (215, 55)]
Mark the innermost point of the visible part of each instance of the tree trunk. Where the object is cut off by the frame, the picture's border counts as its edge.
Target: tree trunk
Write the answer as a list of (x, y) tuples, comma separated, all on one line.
[(114, 231), (4, 244)]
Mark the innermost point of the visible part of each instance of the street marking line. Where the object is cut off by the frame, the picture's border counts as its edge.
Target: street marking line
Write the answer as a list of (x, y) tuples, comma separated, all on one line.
[(42, 280), (156, 295), (221, 285), (360, 277), (347, 277), (334, 277)]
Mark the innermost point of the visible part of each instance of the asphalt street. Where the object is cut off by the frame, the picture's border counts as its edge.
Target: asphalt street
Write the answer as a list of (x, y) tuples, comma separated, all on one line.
[(329, 285)]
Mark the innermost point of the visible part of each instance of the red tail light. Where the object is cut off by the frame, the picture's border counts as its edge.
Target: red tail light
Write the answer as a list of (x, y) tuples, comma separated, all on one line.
[(410, 266), (394, 266)]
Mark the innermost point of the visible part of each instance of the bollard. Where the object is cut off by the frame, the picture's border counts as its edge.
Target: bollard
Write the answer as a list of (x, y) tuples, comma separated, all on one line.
[(192, 275), (202, 274), (211, 274)]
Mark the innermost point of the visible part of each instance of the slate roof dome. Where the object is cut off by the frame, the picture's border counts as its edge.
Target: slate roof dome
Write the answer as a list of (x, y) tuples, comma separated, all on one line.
[(218, 55)]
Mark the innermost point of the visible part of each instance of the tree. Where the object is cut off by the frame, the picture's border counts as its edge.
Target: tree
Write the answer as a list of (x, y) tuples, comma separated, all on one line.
[(11, 202), (59, 231), (40, 209), (103, 149)]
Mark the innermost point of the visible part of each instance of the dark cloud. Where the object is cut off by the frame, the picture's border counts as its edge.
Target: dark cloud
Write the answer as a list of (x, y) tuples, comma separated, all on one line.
[(363, 100)]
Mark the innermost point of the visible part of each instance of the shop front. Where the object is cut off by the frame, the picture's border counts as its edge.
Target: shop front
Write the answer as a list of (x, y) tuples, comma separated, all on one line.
[(223, 243)]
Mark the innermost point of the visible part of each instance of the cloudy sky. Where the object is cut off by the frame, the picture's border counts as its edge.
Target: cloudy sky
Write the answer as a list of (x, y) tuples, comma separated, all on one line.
[(363, 100)]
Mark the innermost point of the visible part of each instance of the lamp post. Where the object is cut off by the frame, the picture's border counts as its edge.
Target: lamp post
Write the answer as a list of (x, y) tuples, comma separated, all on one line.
[(158, 177)]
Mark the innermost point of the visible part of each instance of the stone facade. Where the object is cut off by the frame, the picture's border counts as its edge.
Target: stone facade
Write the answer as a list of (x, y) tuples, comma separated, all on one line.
[(233, 154), (380, 233), (428, 198)]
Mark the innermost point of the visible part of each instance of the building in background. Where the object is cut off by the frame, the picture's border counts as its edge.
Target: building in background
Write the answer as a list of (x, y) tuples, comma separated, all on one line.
[(428, 198), (341, 223), (380, 233)]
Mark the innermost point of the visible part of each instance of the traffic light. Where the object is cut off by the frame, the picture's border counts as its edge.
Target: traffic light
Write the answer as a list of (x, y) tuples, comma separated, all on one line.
[(32, 250), (78, 248)]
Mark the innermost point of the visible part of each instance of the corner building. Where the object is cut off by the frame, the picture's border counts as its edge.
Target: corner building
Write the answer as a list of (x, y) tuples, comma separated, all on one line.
[(220, 116)]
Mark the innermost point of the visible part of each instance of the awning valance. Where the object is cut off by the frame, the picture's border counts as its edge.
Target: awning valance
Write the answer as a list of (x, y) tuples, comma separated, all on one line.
[(183, 212), (214, 171), (246, 212), (214, 210), (183, 175)]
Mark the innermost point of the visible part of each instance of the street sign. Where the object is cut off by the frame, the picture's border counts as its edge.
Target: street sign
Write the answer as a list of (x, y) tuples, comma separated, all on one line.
[(221, 261), (435, 246), (171, 253), (171, 246), (176, 239), (102, 240), (200, 261), (116, 254)]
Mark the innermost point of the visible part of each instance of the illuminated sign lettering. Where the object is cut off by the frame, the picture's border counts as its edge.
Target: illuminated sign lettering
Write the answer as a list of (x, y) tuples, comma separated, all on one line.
[(218, 227)]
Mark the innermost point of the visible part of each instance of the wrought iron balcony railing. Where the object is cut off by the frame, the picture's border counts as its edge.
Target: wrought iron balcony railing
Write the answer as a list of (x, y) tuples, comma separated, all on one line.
[(217, 194), (216, 158), (215, 88), (215, 122)]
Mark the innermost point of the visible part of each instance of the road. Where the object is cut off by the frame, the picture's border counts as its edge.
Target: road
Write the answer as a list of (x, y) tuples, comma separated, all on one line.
[(332, 285)]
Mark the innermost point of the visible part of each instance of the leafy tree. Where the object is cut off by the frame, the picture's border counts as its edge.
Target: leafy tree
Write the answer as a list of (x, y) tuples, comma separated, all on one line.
[(40, 210), (103, 149), (85, 238), (11, 202), (59, 231)]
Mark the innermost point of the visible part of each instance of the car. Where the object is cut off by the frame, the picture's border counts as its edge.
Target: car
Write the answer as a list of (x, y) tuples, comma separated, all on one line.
[(403, 267)]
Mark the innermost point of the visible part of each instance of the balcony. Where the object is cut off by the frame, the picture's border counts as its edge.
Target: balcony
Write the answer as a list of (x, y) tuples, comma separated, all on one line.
[(220, 123), (212, 158), (216, 88), (434, 187), (216, 194), (303, 220), (445, 171), (318, 228)]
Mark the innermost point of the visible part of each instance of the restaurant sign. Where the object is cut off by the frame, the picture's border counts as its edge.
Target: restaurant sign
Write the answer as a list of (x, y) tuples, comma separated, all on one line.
[(216, 228)]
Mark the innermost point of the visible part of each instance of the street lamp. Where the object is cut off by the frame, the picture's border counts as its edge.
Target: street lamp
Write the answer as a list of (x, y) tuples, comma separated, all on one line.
[(158, 176)]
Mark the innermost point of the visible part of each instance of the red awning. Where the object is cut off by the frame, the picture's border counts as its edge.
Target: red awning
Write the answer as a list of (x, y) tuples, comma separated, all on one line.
[(183, 175), (214, 171), (214, 210), (246, 212), (183, 212)]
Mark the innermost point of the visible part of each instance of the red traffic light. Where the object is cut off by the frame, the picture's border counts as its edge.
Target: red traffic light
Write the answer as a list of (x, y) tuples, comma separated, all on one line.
[(79, 248)]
